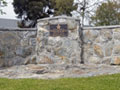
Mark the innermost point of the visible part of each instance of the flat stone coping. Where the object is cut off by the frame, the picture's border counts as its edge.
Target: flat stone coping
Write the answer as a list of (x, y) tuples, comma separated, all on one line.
[(17, 29), (58, 17), (101, 27)]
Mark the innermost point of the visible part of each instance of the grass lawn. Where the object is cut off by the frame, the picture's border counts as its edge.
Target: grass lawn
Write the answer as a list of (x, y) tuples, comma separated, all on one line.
[(108, 82)]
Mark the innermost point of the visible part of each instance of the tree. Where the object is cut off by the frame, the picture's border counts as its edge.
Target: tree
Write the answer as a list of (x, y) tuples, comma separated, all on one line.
[(63, 7), (86, 8), (108, 13), (2, 4), (32, 10)]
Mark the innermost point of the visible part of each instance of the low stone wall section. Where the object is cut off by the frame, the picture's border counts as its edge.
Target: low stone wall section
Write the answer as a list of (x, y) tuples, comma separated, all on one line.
[(102, 44), (93, 45), (17, 46)]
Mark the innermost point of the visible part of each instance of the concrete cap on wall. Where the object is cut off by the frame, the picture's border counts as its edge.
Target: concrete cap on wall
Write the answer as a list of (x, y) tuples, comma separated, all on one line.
[(58, 17)]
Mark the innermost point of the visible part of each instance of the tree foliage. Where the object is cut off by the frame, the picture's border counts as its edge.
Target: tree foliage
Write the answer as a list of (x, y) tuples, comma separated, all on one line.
[(32, 10), (107, 13), (63, 7)]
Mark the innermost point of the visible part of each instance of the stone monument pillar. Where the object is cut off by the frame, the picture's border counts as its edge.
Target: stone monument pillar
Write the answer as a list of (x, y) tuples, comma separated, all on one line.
[(58, 41)]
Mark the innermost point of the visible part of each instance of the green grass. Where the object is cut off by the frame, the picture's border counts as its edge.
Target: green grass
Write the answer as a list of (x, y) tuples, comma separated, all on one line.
[(108, 82)]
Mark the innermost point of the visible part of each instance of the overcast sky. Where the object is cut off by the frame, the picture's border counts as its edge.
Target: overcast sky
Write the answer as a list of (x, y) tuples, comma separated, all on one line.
[(9, 11)]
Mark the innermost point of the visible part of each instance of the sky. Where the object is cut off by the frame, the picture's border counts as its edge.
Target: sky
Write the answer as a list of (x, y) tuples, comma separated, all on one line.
[(9, 11)]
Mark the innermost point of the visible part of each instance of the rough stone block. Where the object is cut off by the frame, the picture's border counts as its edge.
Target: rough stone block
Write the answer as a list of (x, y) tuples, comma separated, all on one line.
[(94, 60), (45, 60), (106, 35), (30, 60), (116, 60), (90, 36), (98, 50), (117, 49), (2, 62), (1, 53), (72, 25), (109, 49), (117, 36), (32, 41), (117, 30), (106, 61)]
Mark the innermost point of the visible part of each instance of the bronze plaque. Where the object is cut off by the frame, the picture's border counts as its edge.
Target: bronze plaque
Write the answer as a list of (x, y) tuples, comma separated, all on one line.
[(59, 30)]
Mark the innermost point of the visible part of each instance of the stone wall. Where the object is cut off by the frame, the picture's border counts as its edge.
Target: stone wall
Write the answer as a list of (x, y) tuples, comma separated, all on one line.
[(96, 45), (102, 45), (17, 46), (58, 50)]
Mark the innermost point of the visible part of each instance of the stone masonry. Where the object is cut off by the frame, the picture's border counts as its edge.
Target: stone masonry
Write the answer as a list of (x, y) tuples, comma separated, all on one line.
[(17, 46), (58, 50), (99, 45), (102, 45)]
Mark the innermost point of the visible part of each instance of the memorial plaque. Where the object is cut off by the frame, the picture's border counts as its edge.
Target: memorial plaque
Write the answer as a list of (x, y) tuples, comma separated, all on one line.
[(59, 30)]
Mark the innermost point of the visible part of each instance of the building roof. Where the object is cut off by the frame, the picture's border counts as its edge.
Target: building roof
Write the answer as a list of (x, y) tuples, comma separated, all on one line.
[(8, 23)]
